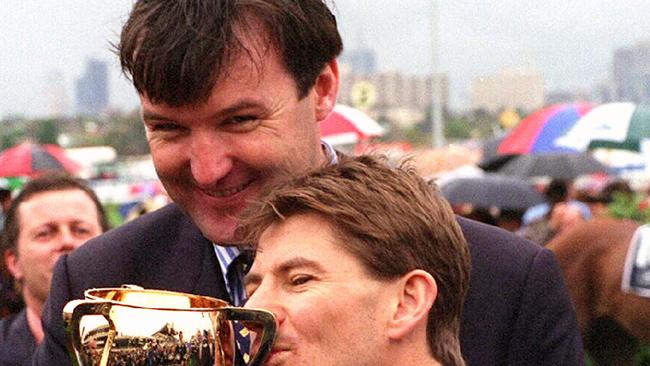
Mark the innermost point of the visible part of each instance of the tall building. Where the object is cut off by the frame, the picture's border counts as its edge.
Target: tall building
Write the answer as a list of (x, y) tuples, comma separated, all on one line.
[(92, 88), (360, 61), (631, 73), (517, 89)]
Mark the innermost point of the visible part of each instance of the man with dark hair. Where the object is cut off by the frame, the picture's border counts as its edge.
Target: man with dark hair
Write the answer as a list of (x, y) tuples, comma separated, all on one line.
[(232, 92), (362, 249), (51, 216)]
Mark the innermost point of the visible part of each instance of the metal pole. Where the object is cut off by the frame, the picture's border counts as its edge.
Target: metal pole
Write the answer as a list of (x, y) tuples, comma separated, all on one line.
[(437, 122)]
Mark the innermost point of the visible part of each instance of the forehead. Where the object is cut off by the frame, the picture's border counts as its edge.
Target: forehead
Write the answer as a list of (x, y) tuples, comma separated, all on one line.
[(54, 204), (307, 236)]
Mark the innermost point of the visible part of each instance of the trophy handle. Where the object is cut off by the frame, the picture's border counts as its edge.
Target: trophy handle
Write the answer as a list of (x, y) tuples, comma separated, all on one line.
[(262, 317), (73, 312)]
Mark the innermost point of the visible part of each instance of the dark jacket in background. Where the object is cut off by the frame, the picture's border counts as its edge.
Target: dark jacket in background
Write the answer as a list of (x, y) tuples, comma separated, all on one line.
[(17, 343)]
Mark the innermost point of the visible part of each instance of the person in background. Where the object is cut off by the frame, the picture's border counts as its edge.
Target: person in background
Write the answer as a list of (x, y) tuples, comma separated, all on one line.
[(51, 216), (599, 202), (362, 264), (558, 190), (232, 93), (543, 222), (510, 219)]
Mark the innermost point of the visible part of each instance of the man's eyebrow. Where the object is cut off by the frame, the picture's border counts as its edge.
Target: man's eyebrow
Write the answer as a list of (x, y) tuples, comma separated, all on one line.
[(243, 104), (284, 267), (240, 105), (148, 115)]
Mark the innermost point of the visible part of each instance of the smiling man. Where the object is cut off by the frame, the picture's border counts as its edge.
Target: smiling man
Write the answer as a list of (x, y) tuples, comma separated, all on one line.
[(232, 92), (362, 264)]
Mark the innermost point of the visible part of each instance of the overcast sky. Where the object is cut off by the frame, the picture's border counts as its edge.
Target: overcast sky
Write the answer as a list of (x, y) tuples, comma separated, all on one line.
[(570, 41)]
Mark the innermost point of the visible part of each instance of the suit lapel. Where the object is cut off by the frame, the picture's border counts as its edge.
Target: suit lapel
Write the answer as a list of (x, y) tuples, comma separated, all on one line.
[(186, 264)]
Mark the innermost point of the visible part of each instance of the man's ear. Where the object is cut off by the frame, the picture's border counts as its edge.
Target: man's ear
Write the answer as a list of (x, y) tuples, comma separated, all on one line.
[(326, 90), (416, 294), (11, 262)]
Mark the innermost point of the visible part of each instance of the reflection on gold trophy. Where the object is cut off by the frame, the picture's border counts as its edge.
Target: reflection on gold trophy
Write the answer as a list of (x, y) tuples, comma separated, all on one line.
[(131, 325)]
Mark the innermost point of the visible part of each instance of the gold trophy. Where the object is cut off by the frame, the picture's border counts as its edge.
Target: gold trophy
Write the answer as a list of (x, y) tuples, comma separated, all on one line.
[(135, 326)]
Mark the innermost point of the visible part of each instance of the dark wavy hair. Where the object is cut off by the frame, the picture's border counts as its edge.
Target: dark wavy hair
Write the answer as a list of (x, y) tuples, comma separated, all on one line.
[(174, 51)]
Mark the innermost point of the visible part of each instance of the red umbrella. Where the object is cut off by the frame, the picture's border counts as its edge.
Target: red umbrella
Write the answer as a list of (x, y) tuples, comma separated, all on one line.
[(30, 159), (346, 125)]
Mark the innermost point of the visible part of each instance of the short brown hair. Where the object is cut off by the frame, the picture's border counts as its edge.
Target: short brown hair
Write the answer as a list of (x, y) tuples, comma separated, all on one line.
[(397, 222), (175, 50), (46, 183)]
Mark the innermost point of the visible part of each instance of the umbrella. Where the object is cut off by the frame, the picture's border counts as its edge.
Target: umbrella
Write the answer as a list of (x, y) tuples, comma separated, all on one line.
[(29, 160), (555, 165), (491, 160), (612, 125), (492, 191), (538, 132), (346, 125)]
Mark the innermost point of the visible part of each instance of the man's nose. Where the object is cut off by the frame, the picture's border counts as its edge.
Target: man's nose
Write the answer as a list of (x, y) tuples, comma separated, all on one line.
[(267, 300), (209, 159), (68, 240)]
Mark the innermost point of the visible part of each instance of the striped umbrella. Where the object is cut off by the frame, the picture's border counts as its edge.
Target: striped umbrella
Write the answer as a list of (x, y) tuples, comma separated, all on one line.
[(613, 125), (29, 159), (537, 133)]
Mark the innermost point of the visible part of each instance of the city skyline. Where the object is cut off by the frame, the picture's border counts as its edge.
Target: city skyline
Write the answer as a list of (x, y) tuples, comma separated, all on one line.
[(571, 44)]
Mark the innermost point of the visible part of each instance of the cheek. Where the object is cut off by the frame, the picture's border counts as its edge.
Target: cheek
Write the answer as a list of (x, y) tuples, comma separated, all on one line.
[(34, 257), (309, 318), (165, 160)]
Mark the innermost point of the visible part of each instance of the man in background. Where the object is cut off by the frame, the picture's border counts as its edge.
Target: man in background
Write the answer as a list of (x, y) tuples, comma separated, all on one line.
[(51, 216)]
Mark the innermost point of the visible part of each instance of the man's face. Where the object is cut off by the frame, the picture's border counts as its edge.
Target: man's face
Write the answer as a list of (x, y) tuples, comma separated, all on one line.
[(329, 310), (51, 224), (214, 158)]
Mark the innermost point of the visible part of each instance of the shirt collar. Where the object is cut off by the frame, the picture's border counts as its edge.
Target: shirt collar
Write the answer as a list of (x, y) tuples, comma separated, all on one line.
[(330, 152), (226, 256)]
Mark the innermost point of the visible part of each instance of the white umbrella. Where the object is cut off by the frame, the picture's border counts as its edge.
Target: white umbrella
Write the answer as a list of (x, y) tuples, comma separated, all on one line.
[(613, 125)]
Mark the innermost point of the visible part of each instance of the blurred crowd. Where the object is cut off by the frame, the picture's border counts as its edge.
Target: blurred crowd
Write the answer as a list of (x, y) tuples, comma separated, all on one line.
[(566, 204)]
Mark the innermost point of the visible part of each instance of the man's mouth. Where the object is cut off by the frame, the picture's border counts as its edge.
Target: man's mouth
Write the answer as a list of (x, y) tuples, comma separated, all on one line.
[(222, 193)]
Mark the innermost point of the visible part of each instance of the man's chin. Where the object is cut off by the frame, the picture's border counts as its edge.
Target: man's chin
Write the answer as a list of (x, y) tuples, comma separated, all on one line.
[(220, 232)]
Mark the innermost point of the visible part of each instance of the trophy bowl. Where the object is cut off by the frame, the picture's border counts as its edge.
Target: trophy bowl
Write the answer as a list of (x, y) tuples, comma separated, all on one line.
[(135, 326)]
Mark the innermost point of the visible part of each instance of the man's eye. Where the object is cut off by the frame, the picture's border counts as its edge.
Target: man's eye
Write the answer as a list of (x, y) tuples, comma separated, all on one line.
[(43, 234), (80, 231), (163, 127), (243, 123), (301, 279), (241, 119)]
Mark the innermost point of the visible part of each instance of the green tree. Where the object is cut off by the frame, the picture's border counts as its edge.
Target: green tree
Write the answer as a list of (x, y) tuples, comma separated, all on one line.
[(46, 131), (127, 135), (11, 136)]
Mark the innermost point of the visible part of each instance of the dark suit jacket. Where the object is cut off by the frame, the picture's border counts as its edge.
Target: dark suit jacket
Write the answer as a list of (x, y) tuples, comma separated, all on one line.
[(517, 311), (16, 341)]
